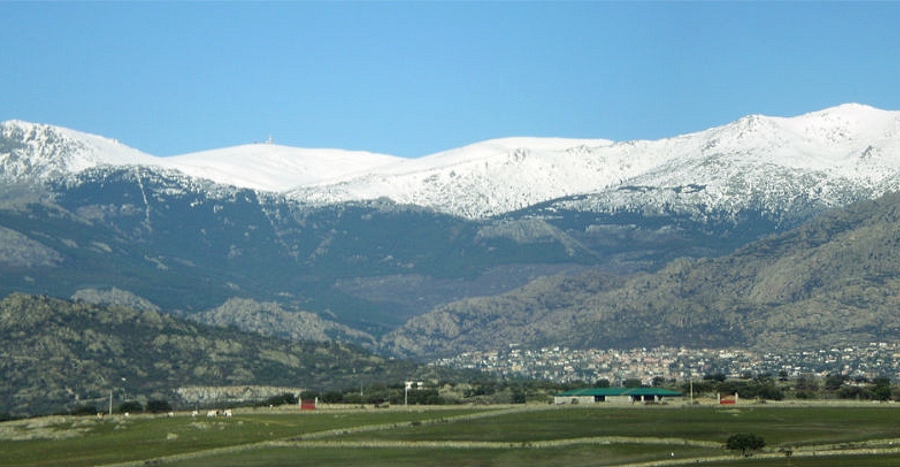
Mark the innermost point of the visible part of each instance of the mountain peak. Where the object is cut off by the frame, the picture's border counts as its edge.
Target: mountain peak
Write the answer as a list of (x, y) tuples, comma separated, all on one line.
[(35, 151), (845, 123), (830, 152)]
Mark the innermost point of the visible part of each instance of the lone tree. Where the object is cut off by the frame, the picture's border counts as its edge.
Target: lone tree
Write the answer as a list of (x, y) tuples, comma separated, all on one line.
[(158, 406), (131, 407), (746, 442)]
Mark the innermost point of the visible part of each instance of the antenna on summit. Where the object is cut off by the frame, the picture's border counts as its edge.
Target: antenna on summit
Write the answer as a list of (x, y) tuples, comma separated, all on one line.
[(270, 140)]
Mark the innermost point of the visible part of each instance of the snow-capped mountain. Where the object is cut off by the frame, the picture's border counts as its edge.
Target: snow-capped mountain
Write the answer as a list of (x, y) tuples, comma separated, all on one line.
[(482, 179), (269, 167), (35, 152), (31, 152), (775, 164), (831, 157), (274, 223)]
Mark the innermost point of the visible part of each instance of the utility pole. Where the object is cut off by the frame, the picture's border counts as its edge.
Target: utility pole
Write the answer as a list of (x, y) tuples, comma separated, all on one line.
[(692, 387)]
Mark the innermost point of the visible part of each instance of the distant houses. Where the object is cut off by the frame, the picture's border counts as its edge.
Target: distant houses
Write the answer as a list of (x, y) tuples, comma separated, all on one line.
[(616, 395)]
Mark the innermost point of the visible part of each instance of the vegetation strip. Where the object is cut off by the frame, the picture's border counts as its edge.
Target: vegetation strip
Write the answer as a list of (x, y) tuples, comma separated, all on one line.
[(599, 440), (808, 451)]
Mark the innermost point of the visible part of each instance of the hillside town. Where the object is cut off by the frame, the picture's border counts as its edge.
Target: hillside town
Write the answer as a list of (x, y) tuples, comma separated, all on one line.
[(564, 365)]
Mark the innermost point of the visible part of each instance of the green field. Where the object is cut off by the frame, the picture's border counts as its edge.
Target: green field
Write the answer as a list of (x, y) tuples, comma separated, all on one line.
[(537, 435)]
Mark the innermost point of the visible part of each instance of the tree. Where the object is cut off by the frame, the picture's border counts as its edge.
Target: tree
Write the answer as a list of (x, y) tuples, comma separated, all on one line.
[(882, 388), (158, 406), (745, 442), (834, 382), (518, 396), (601, 383), (717, 377), (770, 392), (282, 399), (131, 407), (855, 392), (632, 383), (309, 395), (806, 383), (85, 409), (333, 397)]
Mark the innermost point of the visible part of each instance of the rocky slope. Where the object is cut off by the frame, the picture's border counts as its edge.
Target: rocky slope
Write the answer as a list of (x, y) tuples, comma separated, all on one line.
[(369, 242), (57, 354), (827, 283)]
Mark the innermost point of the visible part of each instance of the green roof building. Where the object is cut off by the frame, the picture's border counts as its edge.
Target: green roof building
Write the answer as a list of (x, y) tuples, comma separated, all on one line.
[(615, 395)]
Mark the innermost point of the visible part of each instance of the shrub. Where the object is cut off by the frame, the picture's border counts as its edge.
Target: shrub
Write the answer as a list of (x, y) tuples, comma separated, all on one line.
[(130, 407), (745, 442), (332, 397), (283, 399), (158, 406), (85, 409)]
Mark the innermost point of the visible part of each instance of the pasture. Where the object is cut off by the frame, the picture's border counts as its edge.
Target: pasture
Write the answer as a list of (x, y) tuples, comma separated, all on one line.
[(813, 435)]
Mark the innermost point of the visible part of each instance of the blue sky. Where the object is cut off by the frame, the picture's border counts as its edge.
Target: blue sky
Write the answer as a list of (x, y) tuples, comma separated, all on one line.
[(415, 78)]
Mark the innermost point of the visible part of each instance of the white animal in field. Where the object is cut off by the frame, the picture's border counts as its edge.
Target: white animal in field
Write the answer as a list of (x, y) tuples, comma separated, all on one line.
[(228, 413), (194, 414), (212, 413)]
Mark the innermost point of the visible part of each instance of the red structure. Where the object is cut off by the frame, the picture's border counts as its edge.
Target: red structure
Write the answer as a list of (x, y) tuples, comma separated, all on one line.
[(730, 399), (309, 404)]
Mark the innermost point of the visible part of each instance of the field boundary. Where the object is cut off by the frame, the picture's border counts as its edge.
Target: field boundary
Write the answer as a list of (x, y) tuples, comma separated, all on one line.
[(331, 439)]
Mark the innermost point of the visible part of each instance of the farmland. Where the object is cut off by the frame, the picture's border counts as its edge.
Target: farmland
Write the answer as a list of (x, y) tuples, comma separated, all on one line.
[(797, 435)]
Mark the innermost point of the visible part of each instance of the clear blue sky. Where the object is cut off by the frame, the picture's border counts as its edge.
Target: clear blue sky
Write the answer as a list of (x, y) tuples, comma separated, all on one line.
[(414, 78)]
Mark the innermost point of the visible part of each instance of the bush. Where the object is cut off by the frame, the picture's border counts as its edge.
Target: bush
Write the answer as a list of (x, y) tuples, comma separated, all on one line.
[(158, 406), (283, 399), (426, 397), (518, 397), (854, 392), (745, 442), (882, 388), (632, 383), (332, 397), (130, 407), (309, 395), (85, 409)]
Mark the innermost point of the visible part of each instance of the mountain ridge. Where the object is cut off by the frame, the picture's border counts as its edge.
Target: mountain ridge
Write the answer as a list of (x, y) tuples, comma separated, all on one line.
[(477, 221), (829, 282), (827, 150)]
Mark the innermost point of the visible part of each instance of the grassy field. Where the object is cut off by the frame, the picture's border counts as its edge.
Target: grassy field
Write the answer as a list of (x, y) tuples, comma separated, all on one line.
[(537, 435)]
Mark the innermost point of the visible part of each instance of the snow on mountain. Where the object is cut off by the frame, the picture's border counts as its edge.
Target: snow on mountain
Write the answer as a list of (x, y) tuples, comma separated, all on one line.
[(779, 165), (833, 156), (826, 158), (478, 180), (276, 168), (30, 151)]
